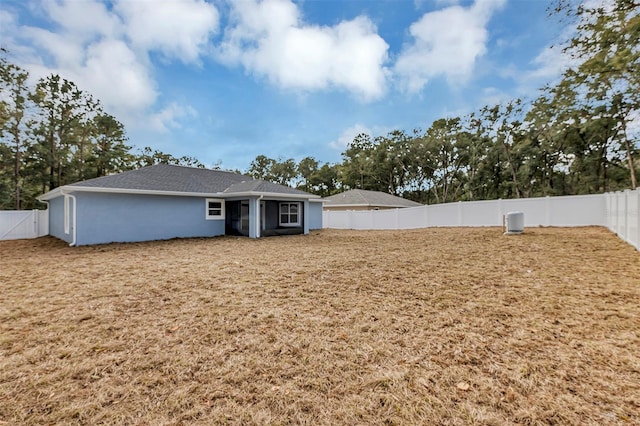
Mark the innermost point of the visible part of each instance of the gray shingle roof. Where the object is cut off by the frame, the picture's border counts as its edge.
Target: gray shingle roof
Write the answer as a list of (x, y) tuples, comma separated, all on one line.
[(164, 177), (361, 197)]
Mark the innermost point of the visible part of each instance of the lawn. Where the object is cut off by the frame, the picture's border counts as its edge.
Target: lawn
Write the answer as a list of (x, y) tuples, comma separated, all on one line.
[(447, 326)]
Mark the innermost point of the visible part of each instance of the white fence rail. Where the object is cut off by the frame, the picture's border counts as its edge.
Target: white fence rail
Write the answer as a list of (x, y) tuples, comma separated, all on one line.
[(20, 224), (618, 211)]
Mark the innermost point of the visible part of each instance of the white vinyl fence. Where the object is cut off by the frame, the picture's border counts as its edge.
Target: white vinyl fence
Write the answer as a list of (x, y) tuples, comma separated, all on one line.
[(576, 210), (617, 211), (15, 225), (623, 213)]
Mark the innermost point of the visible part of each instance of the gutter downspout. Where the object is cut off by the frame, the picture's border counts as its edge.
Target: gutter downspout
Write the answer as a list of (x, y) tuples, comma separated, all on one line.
[(259, 217), (73, 242), (73, 215)]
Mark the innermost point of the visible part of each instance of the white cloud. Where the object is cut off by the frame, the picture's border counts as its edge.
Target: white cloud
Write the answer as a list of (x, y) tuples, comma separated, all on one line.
[(347, 136), (116, 76), (547, 67), (107, 69), (549, 64), (65, 51), (179, 29), (85, 18), (169, 117), (7, 23), (106, 51), (494, 96), (445, 43), (270, 39)]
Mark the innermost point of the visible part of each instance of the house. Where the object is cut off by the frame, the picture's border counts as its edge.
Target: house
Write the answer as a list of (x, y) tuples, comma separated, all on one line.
[(360, 199), (164, 201)]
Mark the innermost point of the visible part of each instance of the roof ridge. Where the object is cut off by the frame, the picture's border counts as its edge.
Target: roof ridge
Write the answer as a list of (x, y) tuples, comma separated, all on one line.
[(195, 168)]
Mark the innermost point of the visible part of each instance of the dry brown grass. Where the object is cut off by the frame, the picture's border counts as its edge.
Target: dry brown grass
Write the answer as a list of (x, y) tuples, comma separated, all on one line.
[(435, 326)]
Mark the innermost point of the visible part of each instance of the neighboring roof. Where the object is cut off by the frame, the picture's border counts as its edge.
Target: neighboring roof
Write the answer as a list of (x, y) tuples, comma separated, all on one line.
[(364, 198), (178, 180)]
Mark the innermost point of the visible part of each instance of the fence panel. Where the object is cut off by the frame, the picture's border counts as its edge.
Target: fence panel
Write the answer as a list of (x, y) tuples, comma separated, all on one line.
[(579, 210), (382, 218), (412, 218), (336, 219), (362, 219), (22, 224), (623, 215), (442, 214), (633, 218), (480, 213)]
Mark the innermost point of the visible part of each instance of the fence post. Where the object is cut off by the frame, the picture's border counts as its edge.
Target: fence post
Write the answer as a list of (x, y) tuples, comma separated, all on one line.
[(547, 208), (426, 216), (612, 210), (637, 218), (626, 215), (617, 203), (607, 209)]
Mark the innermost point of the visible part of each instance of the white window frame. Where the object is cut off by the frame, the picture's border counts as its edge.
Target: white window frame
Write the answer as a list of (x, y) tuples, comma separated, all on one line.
[(207, 210), (290, 203)]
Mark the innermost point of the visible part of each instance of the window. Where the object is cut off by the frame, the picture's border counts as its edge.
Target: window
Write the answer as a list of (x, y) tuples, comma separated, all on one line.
[(289, 214), (215, 209)]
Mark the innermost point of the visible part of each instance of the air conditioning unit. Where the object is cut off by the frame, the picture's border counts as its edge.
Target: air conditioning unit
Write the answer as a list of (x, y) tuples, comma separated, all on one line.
[(514, 223)]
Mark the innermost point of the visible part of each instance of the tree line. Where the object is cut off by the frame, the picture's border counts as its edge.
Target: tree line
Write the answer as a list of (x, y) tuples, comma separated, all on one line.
[(576, 137)]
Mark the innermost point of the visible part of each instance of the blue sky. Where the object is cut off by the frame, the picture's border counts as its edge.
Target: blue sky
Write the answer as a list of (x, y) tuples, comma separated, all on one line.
[(225, 81)]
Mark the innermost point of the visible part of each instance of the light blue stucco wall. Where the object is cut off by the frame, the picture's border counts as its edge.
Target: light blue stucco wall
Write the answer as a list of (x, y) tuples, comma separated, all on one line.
[(56, 220), (315, 215), (105, 218)]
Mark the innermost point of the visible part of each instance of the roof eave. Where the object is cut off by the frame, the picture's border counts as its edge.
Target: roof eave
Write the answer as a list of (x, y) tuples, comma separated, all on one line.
[(309, 197), (391, 206), (71, 188), (49, 195)]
